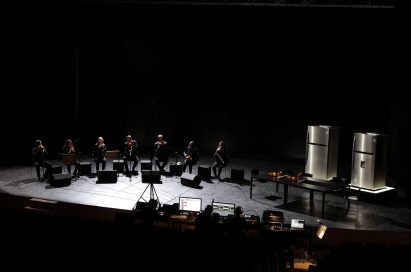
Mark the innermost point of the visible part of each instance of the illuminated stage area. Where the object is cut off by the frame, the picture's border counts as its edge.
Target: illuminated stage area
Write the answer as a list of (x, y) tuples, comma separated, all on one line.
[(123, 195)]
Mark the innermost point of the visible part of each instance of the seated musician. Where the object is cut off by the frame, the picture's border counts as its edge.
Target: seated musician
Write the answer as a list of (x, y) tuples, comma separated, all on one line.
[(68, 148), (130, 154), (99, 153), (221, 160), (191, 156), (160, 151)]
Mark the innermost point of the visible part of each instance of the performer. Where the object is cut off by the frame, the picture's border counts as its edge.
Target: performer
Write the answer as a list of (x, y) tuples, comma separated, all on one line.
[(221, 159), (191, 156), (99, 153), (130, 154), (68, 148), (160, 151), (39, 153)]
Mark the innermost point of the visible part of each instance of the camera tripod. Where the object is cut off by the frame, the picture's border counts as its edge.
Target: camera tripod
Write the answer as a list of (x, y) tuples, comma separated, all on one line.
[(153, 194)]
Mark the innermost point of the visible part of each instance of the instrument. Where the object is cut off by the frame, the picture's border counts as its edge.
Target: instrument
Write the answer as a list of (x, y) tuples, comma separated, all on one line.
[(42, 148), (218, 157), (159, 144), (130, 145)]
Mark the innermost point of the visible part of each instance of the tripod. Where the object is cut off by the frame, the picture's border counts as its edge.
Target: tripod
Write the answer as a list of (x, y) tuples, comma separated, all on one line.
[(153, 195)]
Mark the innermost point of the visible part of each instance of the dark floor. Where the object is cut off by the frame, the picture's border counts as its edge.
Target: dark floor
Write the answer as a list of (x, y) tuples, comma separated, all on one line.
[(392, 215)]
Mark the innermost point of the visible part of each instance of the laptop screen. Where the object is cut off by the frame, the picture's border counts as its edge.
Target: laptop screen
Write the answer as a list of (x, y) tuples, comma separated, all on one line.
[(190, 204), (224, 209), (297, 223)]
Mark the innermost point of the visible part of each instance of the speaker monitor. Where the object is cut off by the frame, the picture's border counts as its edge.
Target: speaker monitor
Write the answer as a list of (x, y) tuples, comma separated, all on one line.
[(60, 180), (237, 174), (118, 165), (176, 169), (204, 172), (85, 169), (150, 176), (146, 165), (107, 176), (190, 180)]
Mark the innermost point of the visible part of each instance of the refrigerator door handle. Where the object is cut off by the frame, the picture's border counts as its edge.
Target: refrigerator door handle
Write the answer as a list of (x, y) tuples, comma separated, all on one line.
[(306, 155), (353, 144), (353, 161)]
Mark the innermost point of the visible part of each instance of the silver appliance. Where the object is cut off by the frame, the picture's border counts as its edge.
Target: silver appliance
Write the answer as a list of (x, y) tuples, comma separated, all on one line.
[(369, 160), (321, 155)]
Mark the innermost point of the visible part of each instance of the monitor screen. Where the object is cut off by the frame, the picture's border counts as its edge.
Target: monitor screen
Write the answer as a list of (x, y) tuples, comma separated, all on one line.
[(224, 209), (297, 223), (190, 204)]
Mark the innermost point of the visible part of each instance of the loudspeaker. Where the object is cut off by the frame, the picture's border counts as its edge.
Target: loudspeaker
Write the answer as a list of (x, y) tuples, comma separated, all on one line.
[(60, 180), (190, 180), (107, 176), (204, 172), (237, 174), (150, 176), (118, 165), (176, 169), (85, 169), (146, 165)]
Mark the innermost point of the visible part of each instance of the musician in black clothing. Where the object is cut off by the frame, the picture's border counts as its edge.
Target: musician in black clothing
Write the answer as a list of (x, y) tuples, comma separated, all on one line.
[(221, 159), (160, 151), (68, 148), (191, 156), (130, 154), (99, 153), (39, 153)]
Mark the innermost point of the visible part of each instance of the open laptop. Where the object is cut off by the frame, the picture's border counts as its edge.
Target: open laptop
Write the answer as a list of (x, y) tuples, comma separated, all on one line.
[(224, 209), (297, 224)]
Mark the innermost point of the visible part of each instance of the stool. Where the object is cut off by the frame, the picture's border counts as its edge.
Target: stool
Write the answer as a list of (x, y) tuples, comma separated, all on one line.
[(85, 169), (146, 165), (204, 171), (118, 165), (176, 169)]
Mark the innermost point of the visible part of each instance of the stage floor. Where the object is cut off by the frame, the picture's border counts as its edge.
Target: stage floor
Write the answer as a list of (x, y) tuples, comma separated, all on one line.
[(22, 181)]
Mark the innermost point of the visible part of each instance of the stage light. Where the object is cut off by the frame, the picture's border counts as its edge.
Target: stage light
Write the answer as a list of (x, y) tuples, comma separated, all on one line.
[(321, 231)]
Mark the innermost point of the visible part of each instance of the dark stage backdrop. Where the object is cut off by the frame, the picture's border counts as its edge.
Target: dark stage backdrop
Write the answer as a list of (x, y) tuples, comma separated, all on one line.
[(254, 77)]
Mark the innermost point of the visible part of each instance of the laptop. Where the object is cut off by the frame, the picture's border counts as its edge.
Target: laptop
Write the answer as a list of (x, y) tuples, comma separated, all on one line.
[(297, 224)]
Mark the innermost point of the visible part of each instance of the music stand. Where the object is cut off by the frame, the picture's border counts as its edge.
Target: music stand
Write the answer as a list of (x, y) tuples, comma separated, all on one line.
[(69, 159), (113, 154), (150, 177)]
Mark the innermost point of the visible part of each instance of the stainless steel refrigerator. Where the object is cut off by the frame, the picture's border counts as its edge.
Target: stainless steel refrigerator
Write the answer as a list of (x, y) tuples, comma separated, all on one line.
[(321, 155), (369, 160)]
